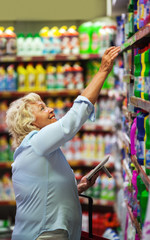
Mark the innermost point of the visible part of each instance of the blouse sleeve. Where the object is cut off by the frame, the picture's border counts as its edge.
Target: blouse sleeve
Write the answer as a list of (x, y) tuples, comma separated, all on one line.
[(51, 137)]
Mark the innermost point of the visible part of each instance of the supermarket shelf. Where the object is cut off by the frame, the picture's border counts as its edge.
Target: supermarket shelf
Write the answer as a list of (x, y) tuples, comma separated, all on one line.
[(140, 103), (134, 221), (97, 128), (48, 93), (142, 173), (49, 57), (137, 38), (5, 164)]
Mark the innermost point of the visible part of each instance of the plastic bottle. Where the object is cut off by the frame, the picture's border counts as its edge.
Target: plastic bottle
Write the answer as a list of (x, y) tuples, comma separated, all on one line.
[(138, 14), (37, 45), (143, 204), (28, 46), (3, 149), (143, 72), (131, 18), (78, 76), (11, 78), (21, 44), (74, 39), (3, 109), (50, 76), (95, 42), (2, 78), (55, 40), (11, 41), (44, 34), (65, 40), (40, 78), (147, 146), (135, 15), (137, 75), (133, 137), (147, 75), (60, 77), (85, 32), (140, 138), (31, 77), (2, 41), (22, 77), (69, 76), (141, 13)]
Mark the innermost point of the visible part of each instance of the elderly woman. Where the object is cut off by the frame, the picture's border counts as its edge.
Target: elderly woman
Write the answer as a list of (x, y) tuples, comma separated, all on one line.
[(46, 192)]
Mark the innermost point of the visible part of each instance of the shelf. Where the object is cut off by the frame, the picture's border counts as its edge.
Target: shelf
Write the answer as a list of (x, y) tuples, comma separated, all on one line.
[(97, 128), (134, 221), (50, 57), (47, 93), (5, 164), (140, 103), (137, 38), (142, 173)]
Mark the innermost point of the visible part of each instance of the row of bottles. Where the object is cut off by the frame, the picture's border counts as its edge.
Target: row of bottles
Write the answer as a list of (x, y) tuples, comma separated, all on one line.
[(141, 73), (6, 149), (136, 195), (140, 140), (88, 38), (39, 78), (138, 16), (91, 147)]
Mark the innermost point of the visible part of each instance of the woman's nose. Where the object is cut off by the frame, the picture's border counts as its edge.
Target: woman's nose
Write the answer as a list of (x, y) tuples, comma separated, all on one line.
[(50, 110)]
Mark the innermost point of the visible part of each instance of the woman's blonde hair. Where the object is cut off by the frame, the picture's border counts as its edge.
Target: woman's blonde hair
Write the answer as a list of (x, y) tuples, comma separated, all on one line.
[(19, 117)]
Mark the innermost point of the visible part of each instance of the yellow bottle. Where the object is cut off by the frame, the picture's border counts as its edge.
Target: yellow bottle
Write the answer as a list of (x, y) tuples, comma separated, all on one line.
[(31, 78), (22, 78), (40, 78)]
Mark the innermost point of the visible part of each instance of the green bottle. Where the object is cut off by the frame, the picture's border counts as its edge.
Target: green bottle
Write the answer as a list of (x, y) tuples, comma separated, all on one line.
[(85, 36), (143, 204), (147, 146), (137, 75), (147, 75), (140, 186)]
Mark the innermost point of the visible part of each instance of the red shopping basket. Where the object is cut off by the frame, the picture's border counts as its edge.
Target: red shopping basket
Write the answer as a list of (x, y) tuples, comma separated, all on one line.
[(90, 235)]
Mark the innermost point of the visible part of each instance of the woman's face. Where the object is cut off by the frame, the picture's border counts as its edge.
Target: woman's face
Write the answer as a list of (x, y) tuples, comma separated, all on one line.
[(43, 114)]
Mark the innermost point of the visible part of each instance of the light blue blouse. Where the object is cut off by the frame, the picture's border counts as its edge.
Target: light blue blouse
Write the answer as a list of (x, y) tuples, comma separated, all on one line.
[(44, 183)]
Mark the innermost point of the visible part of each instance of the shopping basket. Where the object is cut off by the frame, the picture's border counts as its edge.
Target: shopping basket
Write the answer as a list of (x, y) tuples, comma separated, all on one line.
[(90, 235)]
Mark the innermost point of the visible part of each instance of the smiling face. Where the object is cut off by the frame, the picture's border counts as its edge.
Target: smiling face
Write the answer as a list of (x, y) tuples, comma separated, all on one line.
[(43, 114)]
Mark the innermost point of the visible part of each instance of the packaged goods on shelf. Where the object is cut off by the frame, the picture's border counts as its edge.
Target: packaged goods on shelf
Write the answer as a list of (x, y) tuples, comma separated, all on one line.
[(6, 188)]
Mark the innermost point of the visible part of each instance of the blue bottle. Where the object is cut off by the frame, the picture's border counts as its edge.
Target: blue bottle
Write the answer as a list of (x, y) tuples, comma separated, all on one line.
[(140, 147)]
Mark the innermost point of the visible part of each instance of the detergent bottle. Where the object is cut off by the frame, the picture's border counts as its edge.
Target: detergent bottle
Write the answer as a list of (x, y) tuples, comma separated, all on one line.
[(133, 137), (2, 41), (37, 45), (50, 76), (31, 77), (78, 76), (137, 75), (11, 41), (69, 76), (95, 43), (85, 33), (28, 46), (147, 76), (11, 78), (55, 40), (2, 78), (40, 78), (143, 73), (44, 34), (21, 44), (22, 77), (74, 39), (140, 138), (147, 146), (60, 77)]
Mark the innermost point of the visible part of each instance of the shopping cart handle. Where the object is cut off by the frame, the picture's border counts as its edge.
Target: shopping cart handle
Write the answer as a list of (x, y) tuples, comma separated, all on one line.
[(90, 210)]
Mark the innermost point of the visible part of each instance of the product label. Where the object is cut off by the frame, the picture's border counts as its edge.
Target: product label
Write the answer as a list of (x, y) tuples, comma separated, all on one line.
[(140, 150), (147, 85), (95, 41), (84, 41), (148, 159), (11, 47), (21, 81)]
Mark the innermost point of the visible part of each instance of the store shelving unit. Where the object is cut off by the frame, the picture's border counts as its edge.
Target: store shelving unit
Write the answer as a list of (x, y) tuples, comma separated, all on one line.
[(139, 39)]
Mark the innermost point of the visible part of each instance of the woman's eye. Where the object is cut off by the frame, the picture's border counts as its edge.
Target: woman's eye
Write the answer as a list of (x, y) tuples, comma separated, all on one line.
[(42, 108)]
